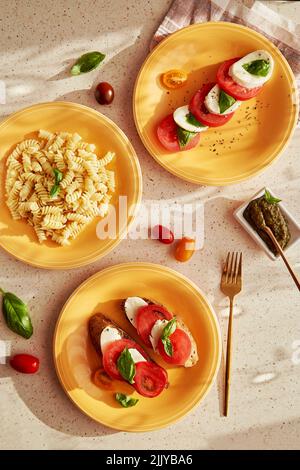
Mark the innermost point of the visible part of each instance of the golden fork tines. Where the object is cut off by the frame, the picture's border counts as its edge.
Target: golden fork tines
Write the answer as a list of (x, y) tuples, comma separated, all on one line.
[(231, 285)]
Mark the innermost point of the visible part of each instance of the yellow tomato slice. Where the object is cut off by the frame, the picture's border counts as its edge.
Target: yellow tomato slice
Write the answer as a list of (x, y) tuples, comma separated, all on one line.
[(174, 79), (102, 380)]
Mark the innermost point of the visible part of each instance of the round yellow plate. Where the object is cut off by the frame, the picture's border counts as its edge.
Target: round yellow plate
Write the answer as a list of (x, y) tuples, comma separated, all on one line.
[(75, 359), (260, 128), (18, 237)]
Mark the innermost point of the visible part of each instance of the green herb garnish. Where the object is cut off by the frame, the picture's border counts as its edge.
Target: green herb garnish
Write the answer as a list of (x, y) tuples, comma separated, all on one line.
[(184, 136), (225, 101), (126, 366), (165, 337), (270, 199), (16, 314), (55, 188), (87, 62), (190, 118), (258, 67), (125, 400)]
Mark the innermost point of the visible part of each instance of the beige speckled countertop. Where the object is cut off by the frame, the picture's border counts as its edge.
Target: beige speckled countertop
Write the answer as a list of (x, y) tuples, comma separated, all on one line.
[(36, 44)]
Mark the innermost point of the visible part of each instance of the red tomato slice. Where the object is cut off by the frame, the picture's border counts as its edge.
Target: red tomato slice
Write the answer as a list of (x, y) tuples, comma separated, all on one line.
[(167, 135), (198, 109), (112, 353), (150, 379), (146, 317), (226, 82), (181, 348)]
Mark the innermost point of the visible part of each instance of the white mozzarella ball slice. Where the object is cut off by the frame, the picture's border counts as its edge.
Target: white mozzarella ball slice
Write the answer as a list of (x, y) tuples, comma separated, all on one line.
[(181, 118), (131, 306), (241, 76), (212, 102), (156, 332), (108, 335), (136, 355)]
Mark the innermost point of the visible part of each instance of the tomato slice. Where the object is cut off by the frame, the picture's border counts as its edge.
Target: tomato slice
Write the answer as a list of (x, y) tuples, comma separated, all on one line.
[(112, 353), (146, 317), (226, 82), (150, 379), (174, 79), (167, 135), (182, 346), (198, 109), (102, 379)]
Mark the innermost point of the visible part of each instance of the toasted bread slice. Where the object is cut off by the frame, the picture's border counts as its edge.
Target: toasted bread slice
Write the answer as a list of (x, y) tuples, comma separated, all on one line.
[(97, 323)]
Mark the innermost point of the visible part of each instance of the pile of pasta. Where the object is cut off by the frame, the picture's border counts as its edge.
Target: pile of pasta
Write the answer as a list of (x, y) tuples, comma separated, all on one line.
[(84, 192)]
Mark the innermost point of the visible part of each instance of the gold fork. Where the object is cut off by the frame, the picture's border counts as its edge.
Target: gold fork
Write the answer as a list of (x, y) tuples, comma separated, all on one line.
[(231, 285)]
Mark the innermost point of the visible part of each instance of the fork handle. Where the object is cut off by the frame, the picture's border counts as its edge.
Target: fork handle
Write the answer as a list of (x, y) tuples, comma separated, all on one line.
[(228, 359)]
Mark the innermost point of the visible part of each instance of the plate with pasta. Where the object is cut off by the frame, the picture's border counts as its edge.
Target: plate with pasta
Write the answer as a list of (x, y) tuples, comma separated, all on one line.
[(63, 168)]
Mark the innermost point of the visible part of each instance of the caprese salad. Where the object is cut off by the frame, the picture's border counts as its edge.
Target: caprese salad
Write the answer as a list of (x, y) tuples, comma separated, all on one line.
[(124, 359), (237, 80), (160, 330)]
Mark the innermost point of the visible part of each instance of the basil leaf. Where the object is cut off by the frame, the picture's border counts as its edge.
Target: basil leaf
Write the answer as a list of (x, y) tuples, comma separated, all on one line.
[(54, 190), (168, 347), (125, 400), (225, 101), (16, 315), (126, 365), (58, 175), (270, 199), (184, 136), (167, 331), (87, 62), (258, 67), (190, 118)]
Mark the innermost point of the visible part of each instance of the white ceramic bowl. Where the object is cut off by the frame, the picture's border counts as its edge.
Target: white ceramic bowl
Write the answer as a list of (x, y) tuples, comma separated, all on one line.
[(293, 224)]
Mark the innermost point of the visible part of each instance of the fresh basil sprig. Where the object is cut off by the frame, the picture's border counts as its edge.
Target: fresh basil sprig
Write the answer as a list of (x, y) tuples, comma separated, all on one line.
[(125, 400), (270, 199), (225, 101), (16, 314), (190, 118), (87, 62), (126, 365), (258, 67), (165, 336), (184, 136), (55, 188)]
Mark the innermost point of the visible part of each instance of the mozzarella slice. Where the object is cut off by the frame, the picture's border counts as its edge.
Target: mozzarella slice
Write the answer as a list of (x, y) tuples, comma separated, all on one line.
[(212, 102), (136, 355), (131, 306), (247, 79), (156, 332), (108, 335), (180, 116)]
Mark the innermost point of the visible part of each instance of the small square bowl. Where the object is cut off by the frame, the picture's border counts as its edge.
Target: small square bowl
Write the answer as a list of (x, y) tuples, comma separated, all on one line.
[(293, 224)]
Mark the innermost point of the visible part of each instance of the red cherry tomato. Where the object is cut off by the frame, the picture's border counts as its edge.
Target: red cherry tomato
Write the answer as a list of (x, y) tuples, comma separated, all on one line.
[(226, 82), (150, 379), (163, 234), (104, 93), (25, 363), (112, 353), (167, 135), (198, 109), (146, 317), (185, 249), (182, 347)]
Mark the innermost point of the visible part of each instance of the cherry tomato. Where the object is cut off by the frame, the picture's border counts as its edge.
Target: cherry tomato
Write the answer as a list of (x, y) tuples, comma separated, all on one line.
[(146, 317), (104, 93), (112, 353), (185, 249), (181, 345), (167, 135), (150, 379), (163, 234), (198, 109), (174, 79), (25, 363), (226, 82), (102, 379)]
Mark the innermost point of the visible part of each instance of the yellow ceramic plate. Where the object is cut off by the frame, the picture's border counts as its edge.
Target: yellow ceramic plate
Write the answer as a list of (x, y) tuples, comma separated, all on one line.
[(75, 358), (260, 128), (18, 237)]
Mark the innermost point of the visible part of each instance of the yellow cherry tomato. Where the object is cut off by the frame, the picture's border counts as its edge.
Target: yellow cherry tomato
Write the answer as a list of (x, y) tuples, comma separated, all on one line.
[(102, 380), (174, 79), (185, 249)]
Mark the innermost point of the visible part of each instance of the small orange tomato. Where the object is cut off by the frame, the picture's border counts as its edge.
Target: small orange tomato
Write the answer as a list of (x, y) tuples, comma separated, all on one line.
[(102, 380), (174, 79), (185, 249)]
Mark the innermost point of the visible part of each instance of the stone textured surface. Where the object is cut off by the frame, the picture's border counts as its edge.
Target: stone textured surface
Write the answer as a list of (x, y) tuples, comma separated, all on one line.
[(38, 41)]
